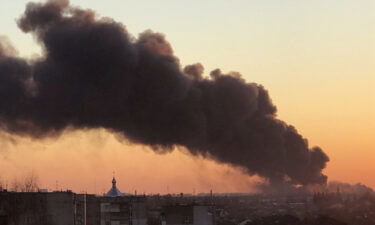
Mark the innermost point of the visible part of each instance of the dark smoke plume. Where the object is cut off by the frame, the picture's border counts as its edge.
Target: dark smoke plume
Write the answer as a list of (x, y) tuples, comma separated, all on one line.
[(94, 74)]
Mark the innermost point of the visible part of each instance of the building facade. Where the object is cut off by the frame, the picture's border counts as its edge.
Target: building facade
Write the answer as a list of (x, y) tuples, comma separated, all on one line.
[(114, 208), (187, 215)]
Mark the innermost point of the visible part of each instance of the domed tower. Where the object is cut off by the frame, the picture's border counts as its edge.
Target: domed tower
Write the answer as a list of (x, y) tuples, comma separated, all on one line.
[(114, 192)]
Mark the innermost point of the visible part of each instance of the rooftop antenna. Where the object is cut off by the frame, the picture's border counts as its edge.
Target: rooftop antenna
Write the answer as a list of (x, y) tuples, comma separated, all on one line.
[(95, 185)]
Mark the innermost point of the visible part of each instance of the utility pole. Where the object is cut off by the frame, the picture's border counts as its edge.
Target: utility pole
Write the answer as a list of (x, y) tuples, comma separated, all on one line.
[(131, 211), (84, 209)]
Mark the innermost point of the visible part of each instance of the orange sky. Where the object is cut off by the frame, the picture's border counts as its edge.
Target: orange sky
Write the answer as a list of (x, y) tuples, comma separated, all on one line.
[(85, 161)]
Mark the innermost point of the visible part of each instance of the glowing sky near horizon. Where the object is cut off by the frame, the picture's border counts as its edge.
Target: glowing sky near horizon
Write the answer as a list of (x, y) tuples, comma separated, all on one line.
[(316, 58)]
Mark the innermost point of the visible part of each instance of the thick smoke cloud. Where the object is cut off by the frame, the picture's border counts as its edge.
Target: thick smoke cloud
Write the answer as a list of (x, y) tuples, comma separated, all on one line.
[(95, 74)]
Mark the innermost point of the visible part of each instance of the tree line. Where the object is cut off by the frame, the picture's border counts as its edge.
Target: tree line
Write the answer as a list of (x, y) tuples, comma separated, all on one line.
[(28, 182)]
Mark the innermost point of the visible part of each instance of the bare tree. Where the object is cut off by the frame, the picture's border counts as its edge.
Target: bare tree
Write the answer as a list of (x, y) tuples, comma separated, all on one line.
[(15, 185), (1, 184), (28, 183)]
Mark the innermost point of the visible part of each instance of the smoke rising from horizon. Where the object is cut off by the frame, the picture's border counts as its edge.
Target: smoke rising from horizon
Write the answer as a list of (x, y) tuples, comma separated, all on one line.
[(94, 74)]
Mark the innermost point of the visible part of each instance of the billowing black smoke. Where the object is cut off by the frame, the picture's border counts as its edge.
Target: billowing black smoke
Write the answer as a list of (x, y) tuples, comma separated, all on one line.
[(94, 74)]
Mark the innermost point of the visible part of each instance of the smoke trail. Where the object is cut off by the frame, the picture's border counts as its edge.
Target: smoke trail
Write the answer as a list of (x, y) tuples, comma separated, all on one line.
[(94, 74)]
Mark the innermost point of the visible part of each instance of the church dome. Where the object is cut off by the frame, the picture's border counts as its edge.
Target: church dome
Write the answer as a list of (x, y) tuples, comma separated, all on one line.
[(114, 191)]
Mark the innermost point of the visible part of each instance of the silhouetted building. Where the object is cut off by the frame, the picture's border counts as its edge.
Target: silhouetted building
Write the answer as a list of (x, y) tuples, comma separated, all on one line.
[(68, 208), (53, 208), (187, 215)]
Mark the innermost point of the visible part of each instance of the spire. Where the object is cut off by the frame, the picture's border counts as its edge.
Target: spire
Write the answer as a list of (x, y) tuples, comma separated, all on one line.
[(114, 182), (114, 192)]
